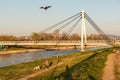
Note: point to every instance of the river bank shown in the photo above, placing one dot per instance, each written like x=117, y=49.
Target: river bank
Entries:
x=20, y=51
x=58, y=66
x=4, y=52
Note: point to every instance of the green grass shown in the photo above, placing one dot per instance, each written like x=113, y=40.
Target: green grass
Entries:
x=91, y=68
x=116, y=72
x=80, y=66
x=85, y=68
x=15, y=72
x=51, y=74
x=116, y=68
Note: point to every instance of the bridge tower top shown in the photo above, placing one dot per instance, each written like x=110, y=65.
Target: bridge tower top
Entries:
x=83, y=13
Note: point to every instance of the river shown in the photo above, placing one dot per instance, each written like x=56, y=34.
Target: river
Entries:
x=11, y=59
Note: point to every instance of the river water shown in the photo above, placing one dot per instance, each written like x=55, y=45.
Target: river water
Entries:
x=11, y=59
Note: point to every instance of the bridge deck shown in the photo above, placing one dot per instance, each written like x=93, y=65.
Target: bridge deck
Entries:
x=89, y=42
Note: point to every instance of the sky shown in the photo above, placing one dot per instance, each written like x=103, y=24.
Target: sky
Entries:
x=22, y=17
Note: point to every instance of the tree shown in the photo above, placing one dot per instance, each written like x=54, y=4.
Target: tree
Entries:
x=56, y=35
x=7, y=38
x=64, y=36
x=23, y=38
x=35, y=36
x=46, y=36
x=74, y=36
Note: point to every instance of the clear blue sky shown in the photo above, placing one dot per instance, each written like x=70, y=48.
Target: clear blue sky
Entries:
x=22, y=17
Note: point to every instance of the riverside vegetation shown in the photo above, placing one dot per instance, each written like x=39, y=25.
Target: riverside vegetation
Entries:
x=86, y=65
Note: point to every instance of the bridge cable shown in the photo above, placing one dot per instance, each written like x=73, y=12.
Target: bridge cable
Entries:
x=93, y=24
x=72, y=28
x=97, y=28
x=65, y=25
x=68, y=23
x=59, y=23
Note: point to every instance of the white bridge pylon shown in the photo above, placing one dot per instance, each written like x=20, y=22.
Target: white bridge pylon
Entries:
x=83, y=32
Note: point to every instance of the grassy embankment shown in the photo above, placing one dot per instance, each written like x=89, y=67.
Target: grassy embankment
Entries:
x=116, y=72
x=89, y=69
x=117, y=64
x=84, y=66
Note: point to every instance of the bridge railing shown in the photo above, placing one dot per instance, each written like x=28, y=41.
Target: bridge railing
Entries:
x=58, y=41
x=61, y=41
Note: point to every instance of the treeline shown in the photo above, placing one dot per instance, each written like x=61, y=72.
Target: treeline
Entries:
x=49, y=36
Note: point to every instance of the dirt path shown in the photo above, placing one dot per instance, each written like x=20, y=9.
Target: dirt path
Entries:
x=42, y=71
x=112, y=66
x=108, y=73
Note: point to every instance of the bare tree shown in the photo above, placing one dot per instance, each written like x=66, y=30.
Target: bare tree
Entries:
x=7, y=38
x=56, y=34
x=74, y=36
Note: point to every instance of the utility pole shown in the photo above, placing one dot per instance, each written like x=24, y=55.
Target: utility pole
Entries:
x=83, y=32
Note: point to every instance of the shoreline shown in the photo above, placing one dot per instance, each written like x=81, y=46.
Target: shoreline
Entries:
x=38, y=50
x=20, y=51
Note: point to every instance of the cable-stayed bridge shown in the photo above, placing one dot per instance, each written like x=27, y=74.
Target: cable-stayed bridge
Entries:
x=75, y=20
